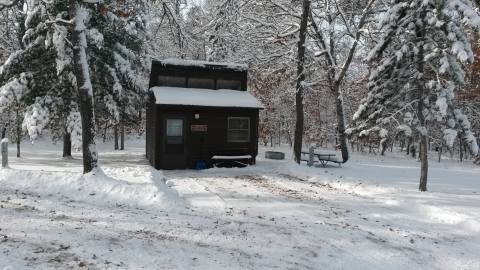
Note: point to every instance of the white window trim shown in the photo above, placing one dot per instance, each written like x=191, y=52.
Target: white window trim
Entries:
x=228, y=130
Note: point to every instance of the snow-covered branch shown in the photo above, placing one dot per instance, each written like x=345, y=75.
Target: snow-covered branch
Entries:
x=8, y=3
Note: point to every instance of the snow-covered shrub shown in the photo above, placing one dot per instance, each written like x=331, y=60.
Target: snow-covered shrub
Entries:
x=36, y=118
x=74, y=127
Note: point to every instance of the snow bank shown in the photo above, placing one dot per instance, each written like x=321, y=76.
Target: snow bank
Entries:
x=97, y=187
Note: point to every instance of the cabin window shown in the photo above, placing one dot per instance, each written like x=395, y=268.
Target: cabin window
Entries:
x=172, y=81
x=229, y=84
x=204, y=83
x=174, y=131
x=238, y=129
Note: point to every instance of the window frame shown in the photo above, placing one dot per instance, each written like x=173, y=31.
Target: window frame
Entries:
x=226, y=81
x=229, y=129
x=163, y=80
x=167, y=131
x=192, y=84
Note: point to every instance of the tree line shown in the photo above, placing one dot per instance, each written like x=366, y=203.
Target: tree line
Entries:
x=365, y=72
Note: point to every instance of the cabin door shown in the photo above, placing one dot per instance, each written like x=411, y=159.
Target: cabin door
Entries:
x=175, y=156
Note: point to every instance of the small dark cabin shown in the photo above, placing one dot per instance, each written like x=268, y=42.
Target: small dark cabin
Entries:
x=200, y=113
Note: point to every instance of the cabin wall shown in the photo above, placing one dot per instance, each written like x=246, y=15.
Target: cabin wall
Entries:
x=192, y=72
x=158, y=139
x=151, y=143
x=201, y=145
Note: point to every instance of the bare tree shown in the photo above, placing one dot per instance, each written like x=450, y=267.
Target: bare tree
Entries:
x=336, y=72
x=297, y=145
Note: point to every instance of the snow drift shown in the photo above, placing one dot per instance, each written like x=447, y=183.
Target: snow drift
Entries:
x=146, y=190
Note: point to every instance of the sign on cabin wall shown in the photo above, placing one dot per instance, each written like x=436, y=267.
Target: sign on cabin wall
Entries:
x=199, y=128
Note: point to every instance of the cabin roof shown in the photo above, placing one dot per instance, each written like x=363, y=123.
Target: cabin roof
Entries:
x=205, y=97
x=194, y=64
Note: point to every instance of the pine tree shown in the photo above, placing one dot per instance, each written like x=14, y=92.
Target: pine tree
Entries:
x=417, y=68
x=55, y=67
x=117, y=55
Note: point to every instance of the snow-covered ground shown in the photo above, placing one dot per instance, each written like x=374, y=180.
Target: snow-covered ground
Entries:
x=275, y=215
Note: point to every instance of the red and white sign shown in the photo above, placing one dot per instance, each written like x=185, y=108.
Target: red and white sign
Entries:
x=199, y=128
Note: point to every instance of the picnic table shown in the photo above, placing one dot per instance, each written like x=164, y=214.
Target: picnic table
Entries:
x=322, y=157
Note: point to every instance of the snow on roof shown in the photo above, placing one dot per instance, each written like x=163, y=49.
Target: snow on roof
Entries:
x=203, y=64
x=205, y=97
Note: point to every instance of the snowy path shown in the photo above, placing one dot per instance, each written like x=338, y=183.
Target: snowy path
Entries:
x=328, y=228
x=275, y=215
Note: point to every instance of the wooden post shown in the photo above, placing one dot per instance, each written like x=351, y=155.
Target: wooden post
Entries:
x=310, y=156
x=4, y=151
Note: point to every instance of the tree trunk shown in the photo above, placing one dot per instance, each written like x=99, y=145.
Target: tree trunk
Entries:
x=4, y=132
x=122, y=134
x=179, y=31
x=18, y=147
x=279, y=134
x=440, y=150
x=409, y=145
x=460, y=149
x=289, y=137
x=424, y=162
x=384, y=147
x=115, y=136
x=342, y=137
x=67, y=145
x=105, y=128
x=140, y=123
x=335, y=77
x=19, y=131
x=299, y=125
x=84, y=86
x=420, y=29
x=467, y=151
